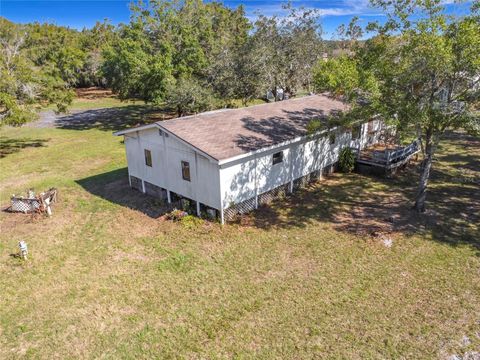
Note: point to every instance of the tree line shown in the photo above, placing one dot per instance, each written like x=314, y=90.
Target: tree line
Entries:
x=185, y=54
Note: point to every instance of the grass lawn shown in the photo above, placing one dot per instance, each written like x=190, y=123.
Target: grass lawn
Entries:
x=97, y=108
x=86, y=104
x=302, y=279
x=99, y=98
x=96, y=98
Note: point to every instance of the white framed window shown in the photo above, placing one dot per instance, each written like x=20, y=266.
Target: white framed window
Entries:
x=332, y=138
x=186, y=170
x=148, y=157
x=277, y=158
x=356, y=132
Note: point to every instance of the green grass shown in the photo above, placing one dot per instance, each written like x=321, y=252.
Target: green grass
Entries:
x=85, y=104
x=100, y=103
x=238, y=103
x=104, y=279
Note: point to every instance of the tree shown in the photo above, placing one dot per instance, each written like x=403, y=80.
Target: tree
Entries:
x=188, y=96
x=235, y=74
x=134, y=70
x=286, y=49
x=426, y=68
x=340, y=75
x=26, y=84
x=93, y=42
x=169, y=42
x=350, y=34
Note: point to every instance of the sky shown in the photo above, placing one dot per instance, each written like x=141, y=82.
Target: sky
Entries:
x=84, y=13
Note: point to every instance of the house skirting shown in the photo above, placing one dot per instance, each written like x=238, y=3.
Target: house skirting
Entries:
x=244, y=207
x=230, y=213
x=172, y=200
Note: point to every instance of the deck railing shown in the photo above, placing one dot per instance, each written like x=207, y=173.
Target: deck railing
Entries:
x=401, y=154
x=388, y=158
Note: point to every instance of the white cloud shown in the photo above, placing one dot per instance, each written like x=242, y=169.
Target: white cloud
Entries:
x=325, y=8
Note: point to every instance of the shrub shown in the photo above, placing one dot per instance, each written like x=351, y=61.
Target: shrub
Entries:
x=176, y=215
x=191, y=222
x=347, y=160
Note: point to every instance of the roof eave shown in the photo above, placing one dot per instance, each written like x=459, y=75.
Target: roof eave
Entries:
x=275, y=146
x=134, y=129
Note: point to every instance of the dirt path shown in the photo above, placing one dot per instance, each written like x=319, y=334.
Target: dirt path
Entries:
x=48, y=118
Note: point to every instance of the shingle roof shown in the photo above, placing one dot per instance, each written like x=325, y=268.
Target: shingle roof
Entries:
x=223, y=134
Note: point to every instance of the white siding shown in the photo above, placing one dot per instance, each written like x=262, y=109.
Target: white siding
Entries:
x=270, y=176
x=166, y=170
x=238, y=182
x=135, y=144
x=220, y=186
x=243, y=179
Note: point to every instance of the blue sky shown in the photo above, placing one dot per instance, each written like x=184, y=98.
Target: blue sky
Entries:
x=84, y=13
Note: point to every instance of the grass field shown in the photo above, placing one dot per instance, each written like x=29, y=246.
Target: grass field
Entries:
x=98, y=98
x=97, y=108
x=308, y=278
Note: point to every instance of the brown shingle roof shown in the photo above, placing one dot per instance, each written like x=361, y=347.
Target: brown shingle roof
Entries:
x=223, y=134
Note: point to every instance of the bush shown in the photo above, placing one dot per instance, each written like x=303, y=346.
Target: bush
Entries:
x=191, y=222
x=347, y=160
x=176, y=215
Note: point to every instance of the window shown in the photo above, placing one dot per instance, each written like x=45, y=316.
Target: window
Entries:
x=277, y=157
x=356, y=131
x=148, y=157
x=186, y=170
x=371, y=127
x=332, y=138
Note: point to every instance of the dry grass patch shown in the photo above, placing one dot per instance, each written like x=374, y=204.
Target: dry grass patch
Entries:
x=107, y=279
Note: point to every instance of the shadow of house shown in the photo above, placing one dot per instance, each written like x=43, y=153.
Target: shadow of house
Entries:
x=110, y=119
x=10, y=146
x=365, y=205
x=276, y=129
x=355, y=204
x=113, y=186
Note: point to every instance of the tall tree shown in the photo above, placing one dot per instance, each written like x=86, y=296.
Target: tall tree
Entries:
x=26, y=80
x=169, y=42
x=93, y=42
x=134, y=69
x=286, y=49
x=426, y=68
x=188, y=96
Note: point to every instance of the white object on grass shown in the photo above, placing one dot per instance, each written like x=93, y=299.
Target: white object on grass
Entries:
x=23, y=249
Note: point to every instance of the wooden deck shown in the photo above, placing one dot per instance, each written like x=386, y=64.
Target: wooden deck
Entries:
x=387, y=157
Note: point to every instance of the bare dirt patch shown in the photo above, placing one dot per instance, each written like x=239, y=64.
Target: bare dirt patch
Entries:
x=93, y=93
